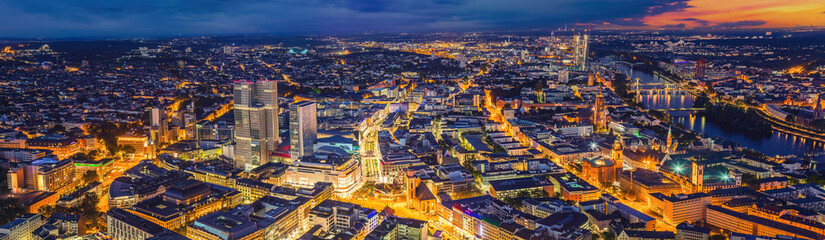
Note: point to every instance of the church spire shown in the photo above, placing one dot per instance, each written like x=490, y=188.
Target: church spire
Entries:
x=669, y=142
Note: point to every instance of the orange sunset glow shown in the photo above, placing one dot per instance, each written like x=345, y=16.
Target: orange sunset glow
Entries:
x=774, y=13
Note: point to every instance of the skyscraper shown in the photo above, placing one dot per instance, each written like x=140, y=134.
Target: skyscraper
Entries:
x=302, y=129
x=256, y=122
x=700, y=68
x=599, y=115
x=159, y=125
x=581, y=44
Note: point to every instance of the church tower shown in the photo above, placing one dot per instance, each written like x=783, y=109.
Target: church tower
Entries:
x=669, y=142
x=599, y=116
x=617, y=156
x=698, y=176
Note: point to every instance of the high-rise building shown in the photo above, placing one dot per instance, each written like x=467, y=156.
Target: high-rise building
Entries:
x=159, y=125
x=700, y=68
x=599, y=115
x=581, y=44
x=189, y=121
x=256, y=122
x=303, y=129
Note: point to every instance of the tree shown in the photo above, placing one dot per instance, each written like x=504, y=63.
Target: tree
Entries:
x=128, y=149
x=607, y=235
x=793, y=181
x=816, y=179
x=717, y=237
x=90, y=176
x=107, y=132
x=10, y=209
x=57, y=129
x=94, y=153
x=750, y=180
x=81, y=157
x=88, y=208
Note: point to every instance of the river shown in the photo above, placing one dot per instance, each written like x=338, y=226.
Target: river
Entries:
x=778, y=143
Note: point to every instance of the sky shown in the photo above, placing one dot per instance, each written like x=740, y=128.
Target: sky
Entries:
x=148, y=18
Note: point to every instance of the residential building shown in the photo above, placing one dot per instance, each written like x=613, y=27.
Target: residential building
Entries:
x=686, y=231
x=680, y=208
x=21, y=228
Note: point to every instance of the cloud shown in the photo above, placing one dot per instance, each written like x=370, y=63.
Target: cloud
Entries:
x=676, y=6
x=127, y=18
x=680, y=25
x=696, y=20
x=741, y=24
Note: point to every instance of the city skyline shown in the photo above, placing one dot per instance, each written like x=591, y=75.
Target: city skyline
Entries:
x=406, y=119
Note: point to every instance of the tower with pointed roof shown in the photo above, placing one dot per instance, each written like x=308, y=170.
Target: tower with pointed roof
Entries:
x=669, y=142
x=616, y=155
x=599, y=120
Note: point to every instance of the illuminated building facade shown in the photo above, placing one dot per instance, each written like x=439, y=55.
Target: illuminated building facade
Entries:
x=396, y=228
x=510, y=188
x=581, y=44
x=45, y=175
x=22, y=227
x=574, y=188
x=701, y=66
x=680, y=208
x=256, y=123
x=234, y=224
x=303, y=129
x=748, y=224
x=599, y=113
x=599, y=169
x=62, y=146
x=186, y=201
x=143, y=150
x=101, y=167
x=159, y=126
x=343, y=172
x=121, y=224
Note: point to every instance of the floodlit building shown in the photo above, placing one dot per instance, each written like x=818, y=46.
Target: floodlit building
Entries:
x=121, y=224
x=22, y=227
x=680, y=208
x=256, y=123
x=303, y=129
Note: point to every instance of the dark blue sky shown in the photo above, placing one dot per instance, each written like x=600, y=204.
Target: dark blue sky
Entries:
x=135, y=18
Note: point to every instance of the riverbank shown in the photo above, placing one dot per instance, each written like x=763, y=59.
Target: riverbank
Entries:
x=775, y=142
